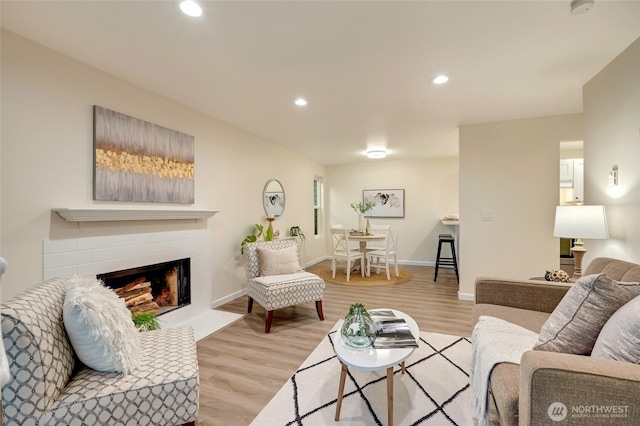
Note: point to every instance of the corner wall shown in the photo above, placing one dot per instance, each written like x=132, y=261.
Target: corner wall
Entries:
x=47, y=162
x=511, y=170
x=612, y=137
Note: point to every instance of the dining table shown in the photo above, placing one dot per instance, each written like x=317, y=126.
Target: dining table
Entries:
x=363, y=239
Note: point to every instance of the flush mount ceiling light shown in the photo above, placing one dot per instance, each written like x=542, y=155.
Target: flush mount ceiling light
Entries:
x=441, y=79
x=191, y=8
x=376, y=153
x=581, y=6
x=300, y=102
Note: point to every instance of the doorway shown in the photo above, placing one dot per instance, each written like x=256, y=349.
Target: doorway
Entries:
x=571, y=192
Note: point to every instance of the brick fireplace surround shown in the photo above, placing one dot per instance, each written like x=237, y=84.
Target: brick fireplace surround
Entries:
x=97, y=255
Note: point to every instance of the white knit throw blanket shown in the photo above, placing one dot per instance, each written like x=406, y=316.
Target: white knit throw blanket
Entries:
x=494, y=341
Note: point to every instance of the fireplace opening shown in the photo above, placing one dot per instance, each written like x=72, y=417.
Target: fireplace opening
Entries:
x=158, y=288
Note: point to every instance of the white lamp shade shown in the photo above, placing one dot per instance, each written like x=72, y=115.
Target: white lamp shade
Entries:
x=588, y=222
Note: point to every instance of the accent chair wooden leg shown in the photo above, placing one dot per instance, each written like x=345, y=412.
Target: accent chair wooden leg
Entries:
x=267, y=325
x=319, y=309
x=249, y=304
x=190, y=424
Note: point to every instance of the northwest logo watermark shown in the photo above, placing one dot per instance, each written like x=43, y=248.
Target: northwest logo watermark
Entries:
x=557, y=411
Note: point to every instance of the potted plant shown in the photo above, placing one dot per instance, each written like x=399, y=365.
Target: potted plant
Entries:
x=146, y=321
x=257, y=233
x=358, y=330
x=295, y=231
x=361, y=208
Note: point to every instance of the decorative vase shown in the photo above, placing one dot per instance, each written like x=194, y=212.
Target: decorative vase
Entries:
x=361, y=225
x=358, y=330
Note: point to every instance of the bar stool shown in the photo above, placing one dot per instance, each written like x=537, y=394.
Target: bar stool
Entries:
x=446, y=262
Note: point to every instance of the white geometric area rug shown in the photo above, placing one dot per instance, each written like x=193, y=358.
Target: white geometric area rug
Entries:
x=434, y=391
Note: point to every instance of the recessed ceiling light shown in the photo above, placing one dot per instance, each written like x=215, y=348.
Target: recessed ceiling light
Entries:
x=300, y=102
x=441, y=79
x=376, y=153
x=191, y=8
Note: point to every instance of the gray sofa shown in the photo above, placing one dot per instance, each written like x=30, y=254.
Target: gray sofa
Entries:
x=521, y=394
x=49, y=386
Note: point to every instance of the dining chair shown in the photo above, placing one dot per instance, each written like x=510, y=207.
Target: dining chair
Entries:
x=381, y=244
x=390, y=251
x=342, y=251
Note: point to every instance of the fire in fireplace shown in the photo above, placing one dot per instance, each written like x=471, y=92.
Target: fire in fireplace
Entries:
x=158, y=288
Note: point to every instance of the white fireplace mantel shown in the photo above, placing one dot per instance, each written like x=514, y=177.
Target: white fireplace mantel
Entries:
x=111, y=215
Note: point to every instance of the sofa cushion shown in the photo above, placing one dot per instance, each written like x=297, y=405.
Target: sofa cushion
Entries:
x=620, y=336
x=99, y=327
x=505, y=390
x=279, y=261
x=164, y=389
x=574, y=325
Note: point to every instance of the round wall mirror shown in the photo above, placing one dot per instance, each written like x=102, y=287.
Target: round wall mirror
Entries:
x=273, y=198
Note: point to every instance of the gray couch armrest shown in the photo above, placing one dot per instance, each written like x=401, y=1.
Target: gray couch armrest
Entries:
x=538, y=296
x=594, y=391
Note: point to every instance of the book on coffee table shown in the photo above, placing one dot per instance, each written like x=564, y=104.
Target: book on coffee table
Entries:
x=391, y=332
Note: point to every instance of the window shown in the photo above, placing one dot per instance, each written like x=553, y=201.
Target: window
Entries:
x=317, y=205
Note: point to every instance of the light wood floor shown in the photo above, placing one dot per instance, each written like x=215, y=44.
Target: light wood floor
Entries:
x=242, y=368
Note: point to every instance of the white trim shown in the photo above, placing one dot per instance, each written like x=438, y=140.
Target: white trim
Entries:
x=229, y=298
x=416, y=262
x=466, y=296
x=111, y=215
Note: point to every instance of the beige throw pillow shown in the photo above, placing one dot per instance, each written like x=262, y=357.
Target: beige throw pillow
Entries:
x=278, y=262
x=574, y=325
x=620, y=336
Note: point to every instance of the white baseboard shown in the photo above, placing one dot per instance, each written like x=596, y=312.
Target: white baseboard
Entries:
x=416, y=263
x=313, y=262
x=466, y=296
x=229, y=298
x=400, y=262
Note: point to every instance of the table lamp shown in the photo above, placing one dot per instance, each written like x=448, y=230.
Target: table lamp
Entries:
x=578, y=222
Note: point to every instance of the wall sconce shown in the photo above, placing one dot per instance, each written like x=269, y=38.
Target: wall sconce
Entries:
x=613, y=176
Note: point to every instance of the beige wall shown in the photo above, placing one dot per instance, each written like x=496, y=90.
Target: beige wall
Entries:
x=46, y=162
x=431, y=191
x=612, y=136
x=510, y=168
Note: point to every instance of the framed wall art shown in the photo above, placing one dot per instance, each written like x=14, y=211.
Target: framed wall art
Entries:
x=387, y=202
x=140, y=161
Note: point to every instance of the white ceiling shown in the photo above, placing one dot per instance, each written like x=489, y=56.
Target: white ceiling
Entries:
x=363, y=66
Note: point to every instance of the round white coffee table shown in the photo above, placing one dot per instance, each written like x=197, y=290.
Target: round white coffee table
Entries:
x=372, y=359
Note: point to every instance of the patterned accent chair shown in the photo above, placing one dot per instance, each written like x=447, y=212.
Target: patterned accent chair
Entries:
x=282, y=290
x=50, y=386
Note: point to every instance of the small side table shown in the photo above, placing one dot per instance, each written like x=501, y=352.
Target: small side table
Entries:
x=372, y=359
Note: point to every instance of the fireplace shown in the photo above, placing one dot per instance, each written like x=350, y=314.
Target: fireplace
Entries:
x=158, y=288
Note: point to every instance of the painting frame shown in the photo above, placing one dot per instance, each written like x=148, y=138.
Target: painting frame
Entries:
x=138, y=161
x=389, y=203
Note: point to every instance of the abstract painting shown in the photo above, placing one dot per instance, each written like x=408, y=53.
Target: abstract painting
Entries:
x=387, y=202
x=140, y=161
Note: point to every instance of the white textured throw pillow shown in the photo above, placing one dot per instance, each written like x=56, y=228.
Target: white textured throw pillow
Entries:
x=575, y=323
x=99, y=327
x=278, y=262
